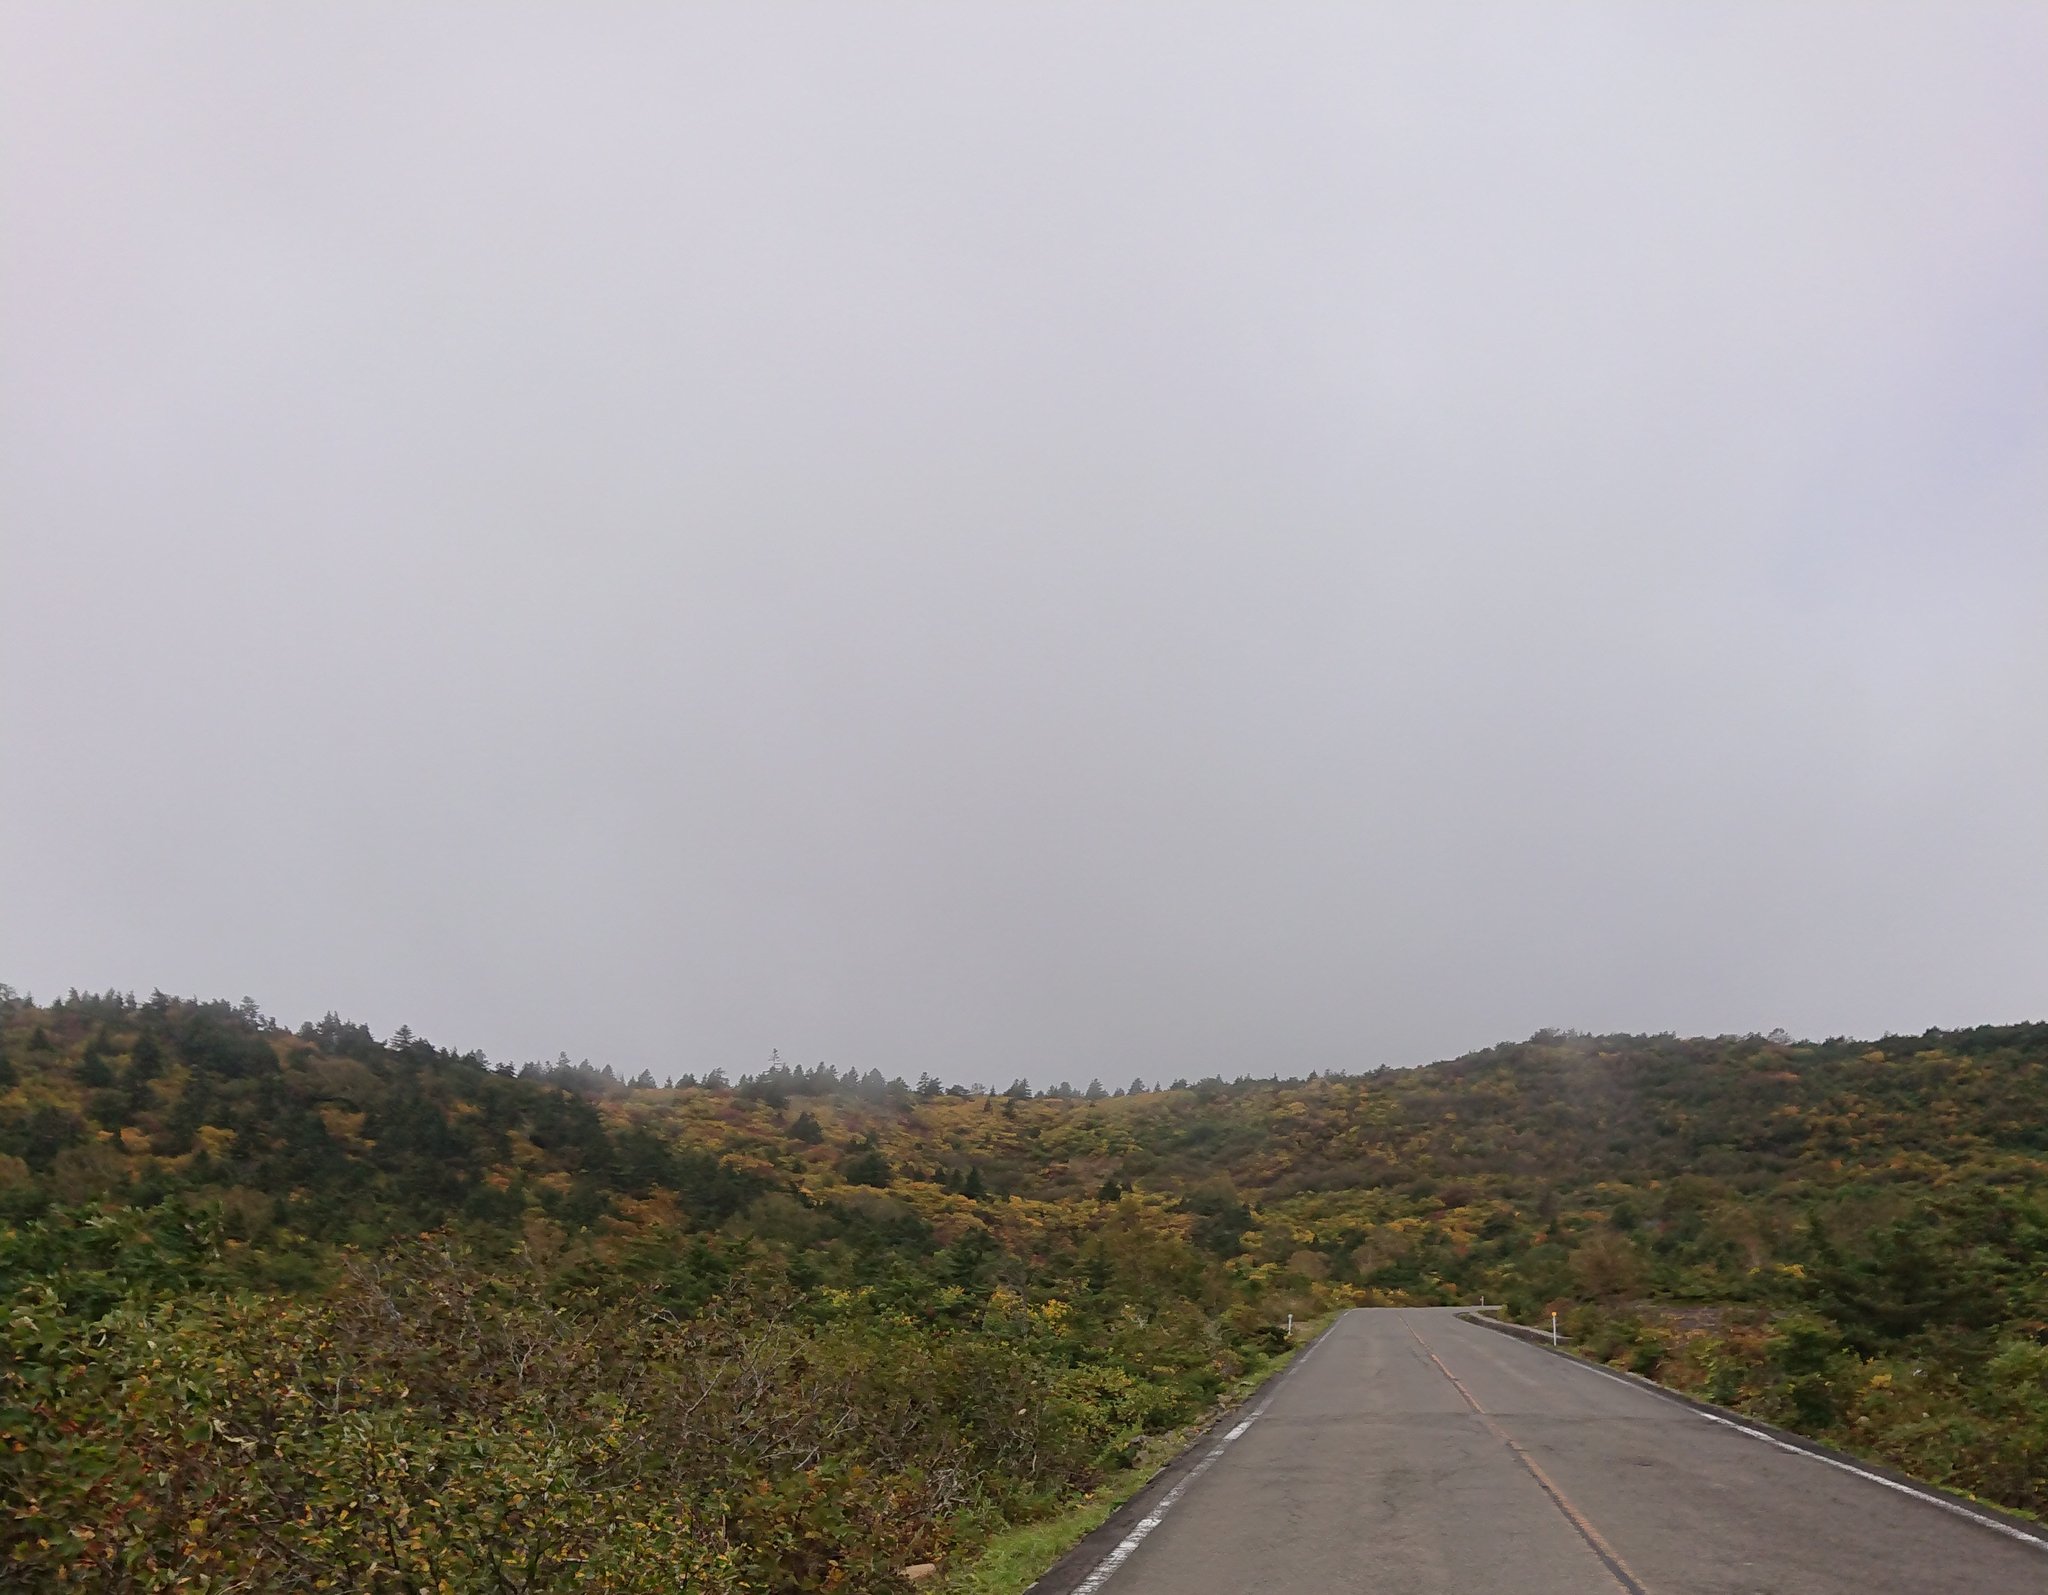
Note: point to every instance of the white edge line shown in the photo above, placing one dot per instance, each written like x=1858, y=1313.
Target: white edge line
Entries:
x=1836, y=1462
x=1878, y=1478
x=1099, y=1576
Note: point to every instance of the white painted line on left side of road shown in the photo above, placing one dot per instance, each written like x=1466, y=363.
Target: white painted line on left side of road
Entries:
x=1121, y=1552
x=1145, y=1525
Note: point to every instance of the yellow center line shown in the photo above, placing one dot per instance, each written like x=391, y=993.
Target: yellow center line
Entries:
x=1609, y=1557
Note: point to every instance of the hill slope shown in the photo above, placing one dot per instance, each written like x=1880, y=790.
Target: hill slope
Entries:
x=288, y=1306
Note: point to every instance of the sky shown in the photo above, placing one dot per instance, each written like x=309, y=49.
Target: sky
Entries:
x=1045, y=540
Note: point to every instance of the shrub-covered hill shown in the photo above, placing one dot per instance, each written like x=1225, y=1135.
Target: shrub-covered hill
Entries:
x=376, y=1313
x=325, y=1132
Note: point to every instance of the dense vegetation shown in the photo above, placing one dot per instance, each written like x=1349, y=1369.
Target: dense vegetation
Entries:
x=317, y=1311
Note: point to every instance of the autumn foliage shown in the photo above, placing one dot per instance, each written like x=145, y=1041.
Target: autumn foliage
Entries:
x=313, y=1310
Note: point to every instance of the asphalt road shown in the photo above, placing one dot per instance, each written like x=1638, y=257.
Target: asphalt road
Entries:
x=1412, y=1452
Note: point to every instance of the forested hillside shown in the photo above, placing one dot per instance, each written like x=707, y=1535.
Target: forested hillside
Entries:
x=309, y=1309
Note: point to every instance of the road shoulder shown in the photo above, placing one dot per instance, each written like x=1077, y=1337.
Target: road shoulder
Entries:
x=1998, y=1518
x=1073, y=1568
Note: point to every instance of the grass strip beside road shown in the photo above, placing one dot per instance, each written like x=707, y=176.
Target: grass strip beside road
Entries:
x=1018, y=1556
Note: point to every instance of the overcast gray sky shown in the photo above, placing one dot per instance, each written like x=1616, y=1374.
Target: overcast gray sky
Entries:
x=1040, y=539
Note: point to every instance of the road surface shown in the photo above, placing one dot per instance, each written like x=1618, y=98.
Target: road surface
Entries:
x=1412, y=1452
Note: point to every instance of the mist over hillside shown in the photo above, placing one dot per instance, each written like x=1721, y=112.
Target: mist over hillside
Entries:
x=280, y=1300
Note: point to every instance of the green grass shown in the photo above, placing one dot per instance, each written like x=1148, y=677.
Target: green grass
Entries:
x=1016, y=1556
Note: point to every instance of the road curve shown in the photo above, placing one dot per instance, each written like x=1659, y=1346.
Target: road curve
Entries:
x=1410, y=1451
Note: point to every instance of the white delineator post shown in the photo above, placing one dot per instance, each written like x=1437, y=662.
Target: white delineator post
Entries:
x=1553, y=1329
x=1290, y=1326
